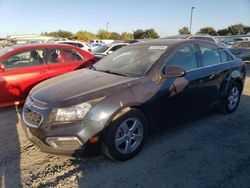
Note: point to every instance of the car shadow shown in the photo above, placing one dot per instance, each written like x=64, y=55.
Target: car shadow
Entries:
x=248, y=70
x=9, y=148
x=181, y=150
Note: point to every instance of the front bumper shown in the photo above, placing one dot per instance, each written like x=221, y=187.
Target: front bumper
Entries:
x=57, y=145
x=59, y=137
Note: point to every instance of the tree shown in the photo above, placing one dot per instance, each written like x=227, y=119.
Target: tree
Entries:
x=127, y=36
x=223, y=32
x=236, y=29
x=148, y=34
x=103, y=34
x=115, y=36
x=184, y=31
x=60, y=34
x=138, y=34
x=246, y=30
x=208, y=30
x=85, y=35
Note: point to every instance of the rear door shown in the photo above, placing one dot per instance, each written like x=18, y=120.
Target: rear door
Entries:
x=214, y=70
x=23, y=70
x=63, y=60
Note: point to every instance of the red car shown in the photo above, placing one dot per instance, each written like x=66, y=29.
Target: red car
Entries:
x=22, y=67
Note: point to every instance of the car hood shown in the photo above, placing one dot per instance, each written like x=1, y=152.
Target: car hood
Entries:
x=80, y=86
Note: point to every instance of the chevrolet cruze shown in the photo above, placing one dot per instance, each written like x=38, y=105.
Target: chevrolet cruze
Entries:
x=130, y=93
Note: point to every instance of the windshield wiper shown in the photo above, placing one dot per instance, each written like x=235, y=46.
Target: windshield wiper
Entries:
x=113, y=72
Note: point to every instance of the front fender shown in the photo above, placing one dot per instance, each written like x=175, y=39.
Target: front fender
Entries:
x=115, y=105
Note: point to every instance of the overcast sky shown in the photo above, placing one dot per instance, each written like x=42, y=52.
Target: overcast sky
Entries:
x=165, y=16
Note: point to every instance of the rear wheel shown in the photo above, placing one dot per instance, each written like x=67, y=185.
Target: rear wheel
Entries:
x=232, y=99
x=125, y=136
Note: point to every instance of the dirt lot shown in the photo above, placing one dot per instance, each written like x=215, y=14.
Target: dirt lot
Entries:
x=210, y=151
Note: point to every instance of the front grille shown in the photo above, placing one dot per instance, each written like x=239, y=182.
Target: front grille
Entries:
x=32, y=118
x=36, y=103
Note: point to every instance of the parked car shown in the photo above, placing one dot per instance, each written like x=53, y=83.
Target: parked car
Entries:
x=82, y=45
x=93, y=46
x=104, y=50
x=22, y=67
x=241, y=50
x=130, y=93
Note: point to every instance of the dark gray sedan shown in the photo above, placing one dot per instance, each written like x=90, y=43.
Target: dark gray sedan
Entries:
x=130, y=93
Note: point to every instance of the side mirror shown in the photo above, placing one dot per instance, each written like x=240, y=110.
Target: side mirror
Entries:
x=173, y=72
x=110, y=52
x=2, y=69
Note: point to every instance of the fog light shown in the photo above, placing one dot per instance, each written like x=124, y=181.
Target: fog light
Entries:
x=64, y=142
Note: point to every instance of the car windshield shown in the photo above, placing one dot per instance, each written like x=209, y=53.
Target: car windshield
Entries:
x=101, y=49
x=5, y=50
x=132, y=61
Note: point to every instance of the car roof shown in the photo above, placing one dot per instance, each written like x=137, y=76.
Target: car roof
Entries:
x=40, y=46
x=62, y=41
x=160, y=42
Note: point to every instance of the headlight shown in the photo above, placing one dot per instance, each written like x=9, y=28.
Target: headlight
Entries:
x=73, y=113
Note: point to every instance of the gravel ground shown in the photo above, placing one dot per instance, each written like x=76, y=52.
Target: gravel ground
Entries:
x=210, y=151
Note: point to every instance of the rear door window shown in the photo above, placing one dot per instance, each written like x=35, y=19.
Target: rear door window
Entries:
x=184, y=57
x=209, y=55
x=63, y=56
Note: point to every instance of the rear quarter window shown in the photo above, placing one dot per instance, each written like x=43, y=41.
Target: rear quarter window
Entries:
x=225, y=56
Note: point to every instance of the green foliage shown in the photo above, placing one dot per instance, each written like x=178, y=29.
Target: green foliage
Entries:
x=115, y=36
x=184, y=31
x=223, y=32
x=236, y=29
x=59, y=34
x=127, y=36
x=103, y=34
x=139, y=34
x=85, y=35
x=150, y=34
x=145, y=34
x=208, y=30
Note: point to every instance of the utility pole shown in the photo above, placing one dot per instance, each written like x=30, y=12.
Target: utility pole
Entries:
x=190, y=26
x=107, y=26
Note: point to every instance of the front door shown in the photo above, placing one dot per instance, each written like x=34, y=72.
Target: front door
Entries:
x=181, y=97
x=23, y=71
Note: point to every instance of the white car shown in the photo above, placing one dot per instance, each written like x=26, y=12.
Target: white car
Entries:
x=93, y=46
x=108, y=49
x=81, y=45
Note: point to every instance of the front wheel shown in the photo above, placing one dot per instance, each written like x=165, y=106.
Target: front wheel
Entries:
x=232, y=99
x=125, y=136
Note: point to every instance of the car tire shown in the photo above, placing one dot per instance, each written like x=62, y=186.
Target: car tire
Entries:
x=231, y=99
x=125, y=136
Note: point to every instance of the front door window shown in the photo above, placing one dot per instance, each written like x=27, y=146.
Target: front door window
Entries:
x=25, y=59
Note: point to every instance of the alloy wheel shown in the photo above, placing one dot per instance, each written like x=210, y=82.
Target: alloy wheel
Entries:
x=129, y=135
x=233, y=98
